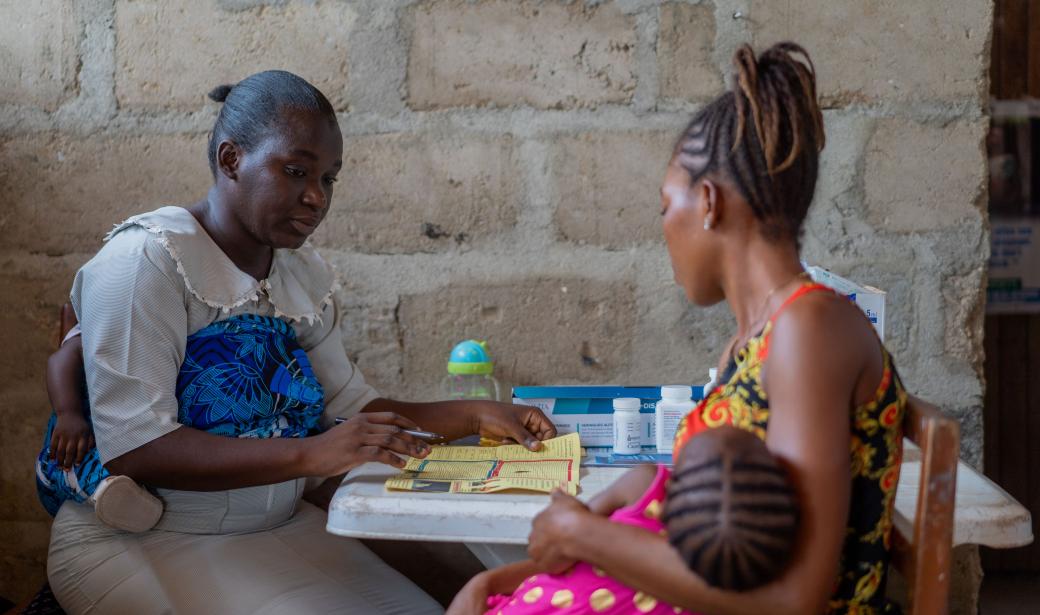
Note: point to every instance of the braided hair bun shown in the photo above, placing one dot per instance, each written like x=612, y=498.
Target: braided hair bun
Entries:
x=730, y=511
x=764, y=136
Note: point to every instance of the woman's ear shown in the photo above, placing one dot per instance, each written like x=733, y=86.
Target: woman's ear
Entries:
x=229, y=155
x=710, y=202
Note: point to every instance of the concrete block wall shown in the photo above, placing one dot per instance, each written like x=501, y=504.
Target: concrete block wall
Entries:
x=502, y=166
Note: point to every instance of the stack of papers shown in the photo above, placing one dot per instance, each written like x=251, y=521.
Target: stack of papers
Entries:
x=482, y=469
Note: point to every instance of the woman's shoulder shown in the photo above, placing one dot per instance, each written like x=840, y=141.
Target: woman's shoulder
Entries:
x=824, y=322
x=132, y=262
x=164, y=220
x=146, y=233
x=828, y=331
x=131, y=246
x=818, y=310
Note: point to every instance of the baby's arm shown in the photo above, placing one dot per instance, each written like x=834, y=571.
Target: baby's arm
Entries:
x=624, y=491
x=71, y=438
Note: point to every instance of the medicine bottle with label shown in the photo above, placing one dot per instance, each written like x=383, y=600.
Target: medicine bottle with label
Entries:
x=675, y=403
x=626, y=425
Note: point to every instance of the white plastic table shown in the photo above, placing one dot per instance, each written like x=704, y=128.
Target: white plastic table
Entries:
x=493, y=526
x=984, y=513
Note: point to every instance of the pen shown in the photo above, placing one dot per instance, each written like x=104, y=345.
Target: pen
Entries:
x=428, y=436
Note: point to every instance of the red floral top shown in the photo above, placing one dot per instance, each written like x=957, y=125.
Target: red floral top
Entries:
x=876, y=447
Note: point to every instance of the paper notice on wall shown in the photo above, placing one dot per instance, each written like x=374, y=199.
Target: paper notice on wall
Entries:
x=483, y=469
x=1014, y=266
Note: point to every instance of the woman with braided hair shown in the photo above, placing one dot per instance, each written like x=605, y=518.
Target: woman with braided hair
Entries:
x=805, y=372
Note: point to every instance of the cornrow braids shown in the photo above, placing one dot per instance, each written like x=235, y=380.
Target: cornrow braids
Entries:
x=730, y=511
x=773, y=162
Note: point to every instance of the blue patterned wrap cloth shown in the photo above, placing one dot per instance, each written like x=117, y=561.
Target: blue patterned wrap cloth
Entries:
x=244, y=377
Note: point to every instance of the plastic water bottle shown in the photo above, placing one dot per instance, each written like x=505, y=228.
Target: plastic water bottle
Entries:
x=469, y=373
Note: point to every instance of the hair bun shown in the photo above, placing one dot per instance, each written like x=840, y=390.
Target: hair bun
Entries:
x=220, y=93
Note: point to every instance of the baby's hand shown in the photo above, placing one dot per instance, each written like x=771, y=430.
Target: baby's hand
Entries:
x=70, y=440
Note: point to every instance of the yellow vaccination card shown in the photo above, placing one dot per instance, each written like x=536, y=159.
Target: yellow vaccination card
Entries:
x=486, y=469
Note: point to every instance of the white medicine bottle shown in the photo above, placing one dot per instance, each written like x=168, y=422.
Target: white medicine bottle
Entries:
x=627, y=426
x=713, y=376
x=675, y=403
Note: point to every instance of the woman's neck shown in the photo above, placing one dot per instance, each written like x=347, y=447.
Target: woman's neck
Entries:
x=231, y=236
x=753, y=279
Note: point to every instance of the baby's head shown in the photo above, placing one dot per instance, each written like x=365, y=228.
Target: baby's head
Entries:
x=730, y=511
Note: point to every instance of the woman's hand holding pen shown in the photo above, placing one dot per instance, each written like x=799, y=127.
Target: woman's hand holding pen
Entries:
x=370, y=436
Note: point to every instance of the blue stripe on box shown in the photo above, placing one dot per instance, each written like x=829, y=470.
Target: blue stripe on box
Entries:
x=587, y=392
x=595, y=399
x=597, y=406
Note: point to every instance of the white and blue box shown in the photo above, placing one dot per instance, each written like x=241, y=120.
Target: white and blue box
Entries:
x=869, y=299
x=589, y=410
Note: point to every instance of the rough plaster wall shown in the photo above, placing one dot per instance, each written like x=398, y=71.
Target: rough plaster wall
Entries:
x=503, y=159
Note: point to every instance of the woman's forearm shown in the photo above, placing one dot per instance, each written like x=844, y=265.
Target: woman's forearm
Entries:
x=648, y=563
x=194, y=460
x=453, y=419
x=190, y=459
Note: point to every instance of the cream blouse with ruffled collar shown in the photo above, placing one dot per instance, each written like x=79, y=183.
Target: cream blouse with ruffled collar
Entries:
x=158, y=279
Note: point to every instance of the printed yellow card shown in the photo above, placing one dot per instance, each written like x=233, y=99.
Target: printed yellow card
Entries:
x=483, y=469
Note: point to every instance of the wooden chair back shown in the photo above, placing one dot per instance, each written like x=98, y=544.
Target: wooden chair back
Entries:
x=924, y=558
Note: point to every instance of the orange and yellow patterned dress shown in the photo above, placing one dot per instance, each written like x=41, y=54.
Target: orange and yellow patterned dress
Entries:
x=876, y=446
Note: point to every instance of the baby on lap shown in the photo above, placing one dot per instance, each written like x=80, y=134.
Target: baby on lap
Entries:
x=727, y=508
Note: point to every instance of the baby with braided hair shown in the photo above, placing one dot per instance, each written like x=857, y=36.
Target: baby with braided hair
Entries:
x=730, y=510
x=727, y=508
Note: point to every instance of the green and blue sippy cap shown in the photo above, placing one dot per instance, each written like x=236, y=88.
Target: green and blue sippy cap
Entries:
x=470, y=357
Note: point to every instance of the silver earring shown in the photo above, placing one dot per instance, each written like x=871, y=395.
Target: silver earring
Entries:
x=707, y=223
